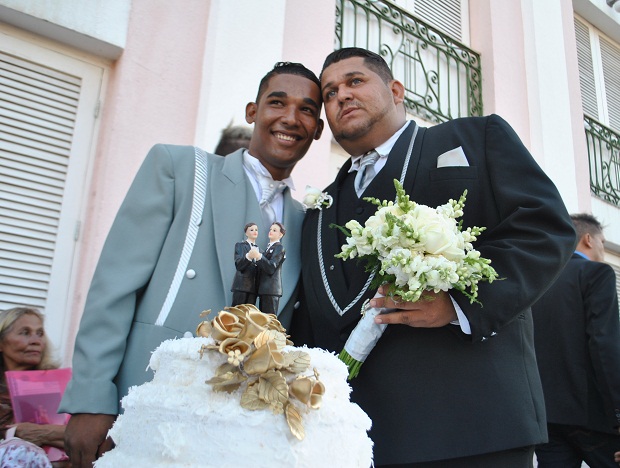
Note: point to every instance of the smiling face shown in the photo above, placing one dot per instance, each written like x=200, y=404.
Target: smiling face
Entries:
x=286, y=120
x=363, y=111
x=23, y=345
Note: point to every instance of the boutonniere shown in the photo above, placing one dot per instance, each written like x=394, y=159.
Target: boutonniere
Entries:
x=315, y=199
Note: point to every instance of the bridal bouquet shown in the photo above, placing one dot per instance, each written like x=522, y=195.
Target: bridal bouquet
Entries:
x=412, y=248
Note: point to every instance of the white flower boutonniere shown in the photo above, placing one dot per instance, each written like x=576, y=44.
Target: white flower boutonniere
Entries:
x=315, y=199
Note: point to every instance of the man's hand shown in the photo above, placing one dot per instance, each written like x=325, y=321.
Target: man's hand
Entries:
x=433, y=310
x=86, y=438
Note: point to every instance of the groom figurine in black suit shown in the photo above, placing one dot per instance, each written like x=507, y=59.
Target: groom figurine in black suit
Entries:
x=450, y=383
x=269, y=266
x=244, y=287
x=577, y=336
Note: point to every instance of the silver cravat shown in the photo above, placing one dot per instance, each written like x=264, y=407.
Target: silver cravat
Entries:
x=366, y=172
x=269, y=188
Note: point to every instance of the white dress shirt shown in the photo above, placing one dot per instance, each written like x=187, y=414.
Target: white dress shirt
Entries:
x=278, y=201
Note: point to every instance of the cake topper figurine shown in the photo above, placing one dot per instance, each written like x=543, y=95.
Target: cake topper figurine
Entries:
x=244, y=287
x=269, y=266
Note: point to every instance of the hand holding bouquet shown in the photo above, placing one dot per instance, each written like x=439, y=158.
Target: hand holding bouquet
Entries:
x=413, y=248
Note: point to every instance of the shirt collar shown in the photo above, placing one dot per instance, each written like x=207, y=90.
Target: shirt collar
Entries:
x=581, y=254
x=383, y=149
x=262, y=170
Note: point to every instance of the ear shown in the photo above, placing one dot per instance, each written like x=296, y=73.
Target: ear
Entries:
x=398, y=91
x=587, y=240
x=250, y=112
x=319, y=129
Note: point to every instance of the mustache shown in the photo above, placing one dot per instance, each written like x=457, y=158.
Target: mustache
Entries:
x=349, y=105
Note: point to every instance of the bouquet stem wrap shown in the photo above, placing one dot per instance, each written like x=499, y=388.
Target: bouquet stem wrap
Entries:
x=362, y=340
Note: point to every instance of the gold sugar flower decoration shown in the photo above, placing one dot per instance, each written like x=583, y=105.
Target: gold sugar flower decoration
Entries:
x=253, y=344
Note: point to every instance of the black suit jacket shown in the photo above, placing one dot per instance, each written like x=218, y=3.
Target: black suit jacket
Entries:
x=577, y=335
x=245, y=274
x=270, y=271
x=437, y=393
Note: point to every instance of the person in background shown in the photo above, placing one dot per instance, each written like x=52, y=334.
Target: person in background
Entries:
x=233, y=137
x=244, y=287
x=577, y=338
x=167, y=255
x=24, y=346
x=269, y=265
x=450, y=383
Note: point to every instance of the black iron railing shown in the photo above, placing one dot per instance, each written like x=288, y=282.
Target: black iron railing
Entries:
x=604, y=157
x=442, y=77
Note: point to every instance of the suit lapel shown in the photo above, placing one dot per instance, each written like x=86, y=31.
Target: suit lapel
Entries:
x=229, y=188
x=381, y=187
x=292, y=218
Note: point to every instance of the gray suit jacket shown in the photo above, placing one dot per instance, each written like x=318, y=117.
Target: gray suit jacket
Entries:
x=166, y=259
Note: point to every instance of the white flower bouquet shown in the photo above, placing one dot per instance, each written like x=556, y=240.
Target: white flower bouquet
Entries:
x=412, y=248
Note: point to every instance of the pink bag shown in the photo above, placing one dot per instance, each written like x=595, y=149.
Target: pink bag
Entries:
x=35, y=397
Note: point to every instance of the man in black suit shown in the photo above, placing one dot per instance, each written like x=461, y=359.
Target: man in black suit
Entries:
x=270, y=272
x=448, y=380
x=577, y=337
x=244, y=287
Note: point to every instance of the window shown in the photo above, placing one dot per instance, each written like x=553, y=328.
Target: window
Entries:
x=442, y=77
x=599, y=72
x=47, y=126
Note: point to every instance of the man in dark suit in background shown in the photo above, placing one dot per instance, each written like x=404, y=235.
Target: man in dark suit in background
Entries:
x=244, y=283
x=577, y=337
x=270, y=270
x=450, y=383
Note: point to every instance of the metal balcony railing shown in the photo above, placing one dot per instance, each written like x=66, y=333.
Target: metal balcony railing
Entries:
x=604, y=157
x=442, y=77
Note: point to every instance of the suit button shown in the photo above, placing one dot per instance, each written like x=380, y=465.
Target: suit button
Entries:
x=190, y=274
x=344, y=336
x=296, y=306
x=359, y=210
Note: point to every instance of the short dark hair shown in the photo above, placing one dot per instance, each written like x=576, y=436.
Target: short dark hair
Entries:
x=585, y=223
x=233, y=137
x=373, y=61
x=286, y=68
x=249, y=225
x=282, y=230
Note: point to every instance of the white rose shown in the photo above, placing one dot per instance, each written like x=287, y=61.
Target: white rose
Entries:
x=440, y=237
x=312, y=196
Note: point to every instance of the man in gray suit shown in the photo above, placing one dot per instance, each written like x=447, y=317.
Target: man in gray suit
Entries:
x=167, y=256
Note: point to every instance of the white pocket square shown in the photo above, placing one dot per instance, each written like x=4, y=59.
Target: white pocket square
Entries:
x=454, y=157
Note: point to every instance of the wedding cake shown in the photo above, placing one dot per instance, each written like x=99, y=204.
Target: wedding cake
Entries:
x=216, y=402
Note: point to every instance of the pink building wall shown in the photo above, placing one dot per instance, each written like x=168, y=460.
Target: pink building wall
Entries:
x=152, y=97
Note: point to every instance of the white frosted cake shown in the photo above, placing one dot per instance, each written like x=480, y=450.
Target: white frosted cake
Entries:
x=180, y=419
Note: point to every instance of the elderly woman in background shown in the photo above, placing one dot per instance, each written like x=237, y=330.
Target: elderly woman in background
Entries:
x=24, y=346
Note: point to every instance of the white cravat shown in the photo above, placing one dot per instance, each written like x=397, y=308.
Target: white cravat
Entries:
x=270, y=189
x=366, y=171
x=268, y=192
